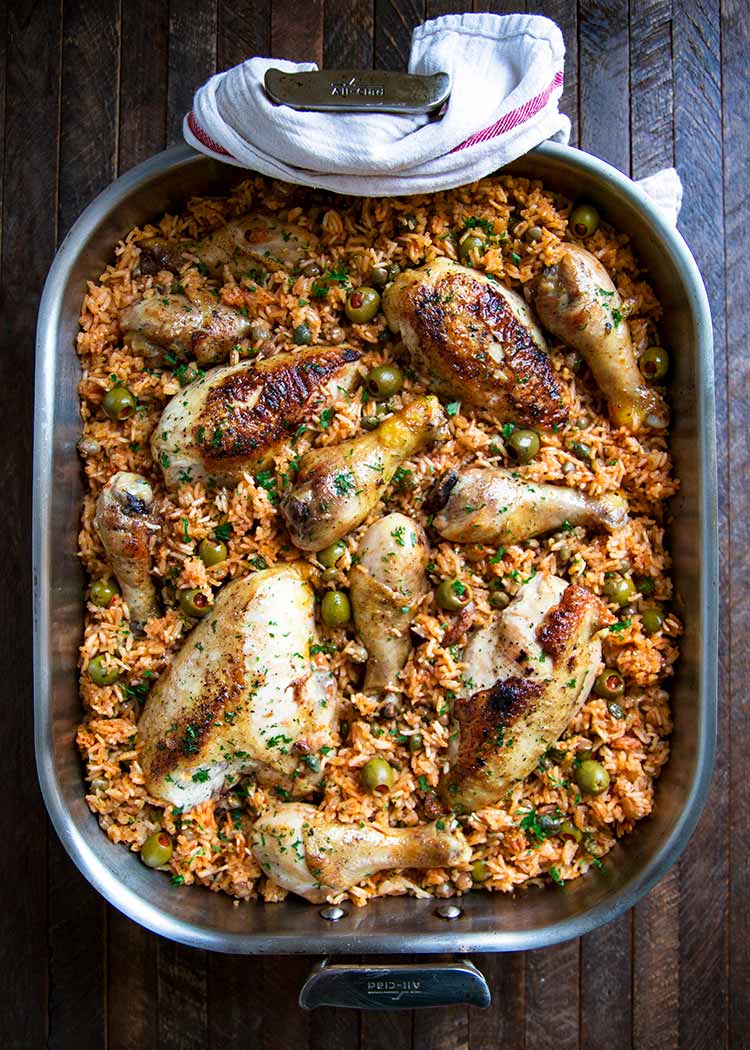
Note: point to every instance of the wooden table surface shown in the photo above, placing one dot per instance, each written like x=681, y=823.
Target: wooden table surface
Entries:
x=88, y=88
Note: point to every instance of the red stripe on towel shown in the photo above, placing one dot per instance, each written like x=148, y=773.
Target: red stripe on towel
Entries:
x=515, y=117
x=201, y=135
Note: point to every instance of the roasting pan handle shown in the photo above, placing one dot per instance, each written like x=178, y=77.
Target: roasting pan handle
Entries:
x=398, y=986
x=356, y=90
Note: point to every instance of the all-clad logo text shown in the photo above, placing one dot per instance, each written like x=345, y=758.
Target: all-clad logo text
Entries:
x=397, y=986
x=347, y=88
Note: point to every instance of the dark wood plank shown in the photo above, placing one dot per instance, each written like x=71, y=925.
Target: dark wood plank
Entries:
x=604, y=118
x=502, y=1025
x=735, y=46
x=387, y=1031
x=656, y=967
x=606, y=976
x=565, y=14
x=444, y=1029
x=295, y=38
x=348, y=34
x=131, y=1000
x=181, y=987
x=144, y=59
x=651, y=98
x=552, y=998
x=704, y=868
x=335, y=1029
x=244, y=31
x=192, y=57
x=234, y=1015
x=394, y=22
x=285, y=1026
x=32, y=77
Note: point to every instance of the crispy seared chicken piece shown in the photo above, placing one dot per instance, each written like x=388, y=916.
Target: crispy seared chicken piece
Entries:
x=337, y=486
x=476, y=340
x=309, y=854
x=203, y=328
x=125, y=522
x=236, y=417
x=242, y=696
x=386, y=585
x=530, y=670
x=577, y=301
x=491, y=505
x=244, y=244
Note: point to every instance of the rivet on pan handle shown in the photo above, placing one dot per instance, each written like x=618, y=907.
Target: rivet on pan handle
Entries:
x=395, y=987
x=346, y=90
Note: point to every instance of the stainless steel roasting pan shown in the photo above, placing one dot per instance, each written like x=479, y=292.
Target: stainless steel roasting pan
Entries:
x=487, y=922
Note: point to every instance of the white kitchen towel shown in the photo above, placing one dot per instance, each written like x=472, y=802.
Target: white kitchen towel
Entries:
x=506, y=80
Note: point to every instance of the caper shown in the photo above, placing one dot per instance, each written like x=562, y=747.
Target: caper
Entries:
x=615, y=710
x=384, y=381
x=362, y=304
x=452, y=595
x=193, y=602
x=568, y=828
x=556, y=754
x=499, y=600
x=331, y=554
x=302, y=335
x=548, y=823
x=524, y=444
x=335, y=609
x=619, y=589
x=479, y=871
x=592, y=777
x=393, y=271
x=379, y=276
x=654, y=363
x=212, y=552
x=415, y=742
x=119, y=403
x=329, y=575
x=103, y=591
x=645, y=585
x=534, y=234
x=156, y=850
x=102, y=671
x=377, y=776
x=312, y=762
x=344, y=729
x=582, y=451
x=311, y=269
x=609, y=684
x=584, y=220
x=336, y=334
x=652, y=620
x=370, y=422
x=471, y=247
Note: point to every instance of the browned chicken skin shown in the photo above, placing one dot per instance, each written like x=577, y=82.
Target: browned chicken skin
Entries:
x=530, y=670
x=235, y=419
x=202, y=328
x=245, y=244
x=577, y=301
x=473, y=339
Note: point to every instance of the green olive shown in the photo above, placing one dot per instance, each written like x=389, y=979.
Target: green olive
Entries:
x=379, y=276
x=329, y=575
x=592, y=777
x=102, y=671
x=534, y=234
x=452, y=595
x=584, y=220
x=335, y=609
x=415, y=742
x=569, y=828
x=615, y=710
x=652, y=620
x=330, y=555
x=156, y=850
x=619, y=589
x=212, y=552
x=119, y=403
x=103, y=591
x=302, y=335
x=471, y=247
x=362, y=304
x=193, y=602
x=384, y=381
x=645, y=585
x=524, y=444
x=377, y=775
x=479, y=871
x=609, y=684
x=499, y=600
x=654, y=363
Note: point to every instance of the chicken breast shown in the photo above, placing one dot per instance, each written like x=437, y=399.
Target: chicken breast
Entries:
x=202, y=328
x=245, y=244
x=530, y=670
x=577, y=301
x=474, y=339
x=235, y=418
x=242, y=696
x=493, y=505
x=126, y=523
x=307, y=853
x=338, y=486
x=386, y=585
